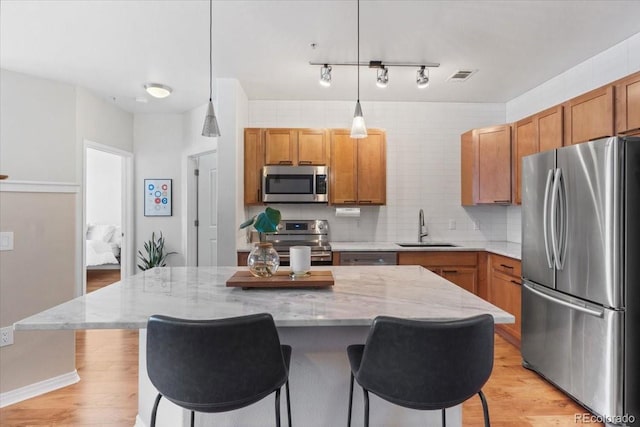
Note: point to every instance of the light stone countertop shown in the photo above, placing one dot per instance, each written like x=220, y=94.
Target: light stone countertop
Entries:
x=359, y=295
x=508, y=249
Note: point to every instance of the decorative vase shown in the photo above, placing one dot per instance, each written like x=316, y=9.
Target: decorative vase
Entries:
x=263, y=260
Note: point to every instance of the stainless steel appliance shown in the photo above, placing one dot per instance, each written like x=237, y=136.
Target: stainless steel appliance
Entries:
x=313, y=233
x=295, y=184
x=581, y=273
x=368, y=258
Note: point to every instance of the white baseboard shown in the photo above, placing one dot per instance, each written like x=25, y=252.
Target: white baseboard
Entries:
x=139, y=422
x=33, y=390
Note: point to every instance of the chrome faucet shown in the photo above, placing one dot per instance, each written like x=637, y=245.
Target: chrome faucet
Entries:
x=422, y=232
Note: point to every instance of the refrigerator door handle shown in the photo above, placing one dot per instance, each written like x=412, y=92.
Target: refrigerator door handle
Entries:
x=545, y=218
x=564, y=225
x=554, y=215
x=576, y=307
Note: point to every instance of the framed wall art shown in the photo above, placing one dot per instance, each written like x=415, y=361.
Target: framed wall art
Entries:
x=157, y=197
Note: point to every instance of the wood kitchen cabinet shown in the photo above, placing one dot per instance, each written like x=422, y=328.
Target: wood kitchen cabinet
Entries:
x=627, y=99
x=460, y=268
x=540, y=132
x=589, y=116
x=486, y=166
x=296, y=147
x=505, y=291
x=358, y=171
x=253, y=163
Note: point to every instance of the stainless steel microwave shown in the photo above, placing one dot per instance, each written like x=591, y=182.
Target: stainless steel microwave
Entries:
x=295, y=184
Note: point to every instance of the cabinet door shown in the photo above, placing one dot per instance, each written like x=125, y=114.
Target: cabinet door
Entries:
x=312, y=147
x=628, y=105
x=465, y=277
x=372, y=169
x=493, y=148
x=281, y=147
x=342, y=177
x=589, y=116
x=524, y=144
x=468, y=181
x=505, y=292
x=549, y=128
x=253, y=162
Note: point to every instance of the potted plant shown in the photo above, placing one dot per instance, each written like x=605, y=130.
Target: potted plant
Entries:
x=263, y=260
x=155, y=255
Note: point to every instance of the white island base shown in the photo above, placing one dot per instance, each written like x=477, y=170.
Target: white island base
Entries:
x=319, y=384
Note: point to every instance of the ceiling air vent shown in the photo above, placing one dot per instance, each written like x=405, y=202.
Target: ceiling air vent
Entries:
x=461, y=75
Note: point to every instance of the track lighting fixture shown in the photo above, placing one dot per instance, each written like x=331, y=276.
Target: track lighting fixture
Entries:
x=325, y=75
x=382, y=79
x=422, y=79
x=382, y=70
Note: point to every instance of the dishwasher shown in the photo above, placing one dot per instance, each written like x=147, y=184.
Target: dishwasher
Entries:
x=368, y=258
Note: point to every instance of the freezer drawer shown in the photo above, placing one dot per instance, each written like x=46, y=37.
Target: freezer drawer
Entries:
x=576, y=346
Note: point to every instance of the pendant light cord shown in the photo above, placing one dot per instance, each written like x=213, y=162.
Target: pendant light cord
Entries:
x=358, y=50
x=210, y=48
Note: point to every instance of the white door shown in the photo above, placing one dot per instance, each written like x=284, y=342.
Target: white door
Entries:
x=208, y=210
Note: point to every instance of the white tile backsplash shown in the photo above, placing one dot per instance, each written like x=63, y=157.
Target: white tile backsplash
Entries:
x=423, y=167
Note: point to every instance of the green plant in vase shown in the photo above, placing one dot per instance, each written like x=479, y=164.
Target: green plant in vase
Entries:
x=263, y=260
x=155, y=255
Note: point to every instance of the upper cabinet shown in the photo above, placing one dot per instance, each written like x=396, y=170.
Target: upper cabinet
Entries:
x=486, y=166
x=589, y=116
x=628, y=105
x=296, y=147
x=358, y=171
x=253, y=162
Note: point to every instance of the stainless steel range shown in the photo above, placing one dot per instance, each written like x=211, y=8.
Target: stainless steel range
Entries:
x=313, y=233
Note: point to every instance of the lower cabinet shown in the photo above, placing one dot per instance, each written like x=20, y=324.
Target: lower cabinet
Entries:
x=460, y=268
x=505, y=291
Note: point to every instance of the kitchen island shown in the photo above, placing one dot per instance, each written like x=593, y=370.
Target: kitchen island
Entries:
x=317, y=323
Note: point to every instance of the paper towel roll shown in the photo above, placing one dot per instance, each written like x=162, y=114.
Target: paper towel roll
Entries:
x=300, y=259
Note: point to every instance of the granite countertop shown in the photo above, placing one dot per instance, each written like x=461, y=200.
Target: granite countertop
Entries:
x=509, y=249
x=359, y=295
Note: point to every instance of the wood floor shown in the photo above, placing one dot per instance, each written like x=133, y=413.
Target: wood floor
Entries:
x=107, y=362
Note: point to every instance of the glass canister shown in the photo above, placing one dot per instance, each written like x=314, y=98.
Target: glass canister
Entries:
x=263, y=260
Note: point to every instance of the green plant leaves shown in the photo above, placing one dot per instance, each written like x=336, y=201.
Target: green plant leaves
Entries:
x=155, y=255
x=264, y=222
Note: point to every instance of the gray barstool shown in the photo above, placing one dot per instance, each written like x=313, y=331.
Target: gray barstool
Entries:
x=424, y=365
x=217, y=365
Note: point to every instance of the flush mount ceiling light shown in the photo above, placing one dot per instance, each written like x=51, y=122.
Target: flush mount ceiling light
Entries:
x=422, y=79
x=325, y=75
x=358, y=128
x=210, y=127
x=158, y=90
x=382, y=78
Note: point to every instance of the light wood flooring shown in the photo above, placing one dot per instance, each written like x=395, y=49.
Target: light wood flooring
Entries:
x=107, y=362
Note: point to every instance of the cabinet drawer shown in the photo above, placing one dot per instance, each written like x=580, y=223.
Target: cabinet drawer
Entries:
x=506, y=265
x=506, y=293
x=438, y=258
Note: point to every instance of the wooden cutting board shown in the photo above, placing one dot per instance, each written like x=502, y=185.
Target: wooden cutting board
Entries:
x=315, y=279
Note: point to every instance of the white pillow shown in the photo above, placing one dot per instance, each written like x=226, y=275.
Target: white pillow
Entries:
x=116, y=238
x=101, y=232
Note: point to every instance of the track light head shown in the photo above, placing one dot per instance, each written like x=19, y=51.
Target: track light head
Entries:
x=422, y=78
x=382, y=79
x=325, y=75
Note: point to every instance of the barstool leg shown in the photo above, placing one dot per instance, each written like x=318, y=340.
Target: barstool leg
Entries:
x=288, y=403
x=193, y=419
x=155, y=410
x=278, y=408
x=366, y=407
x=485, y=409
x=350, y=401
x=444, y=418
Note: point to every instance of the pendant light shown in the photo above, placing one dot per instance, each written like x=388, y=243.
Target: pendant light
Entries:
x=210, y=127
x=358, y=128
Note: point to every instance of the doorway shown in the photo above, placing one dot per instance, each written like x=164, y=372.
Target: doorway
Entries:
x=107, y=215
x=207, y=209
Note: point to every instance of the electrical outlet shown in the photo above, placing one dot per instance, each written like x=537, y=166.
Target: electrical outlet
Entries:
x=452, y=224
x=6, y=336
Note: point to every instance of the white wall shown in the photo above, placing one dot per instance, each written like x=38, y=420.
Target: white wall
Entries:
x=618, y=61
x=104, y=188
x=423, y=167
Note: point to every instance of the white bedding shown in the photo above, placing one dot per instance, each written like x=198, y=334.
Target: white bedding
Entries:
x=100, y=253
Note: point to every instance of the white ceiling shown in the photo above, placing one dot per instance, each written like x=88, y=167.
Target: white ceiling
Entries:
x=114, y=47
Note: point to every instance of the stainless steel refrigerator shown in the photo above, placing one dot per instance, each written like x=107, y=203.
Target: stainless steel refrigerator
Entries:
x=581, y=273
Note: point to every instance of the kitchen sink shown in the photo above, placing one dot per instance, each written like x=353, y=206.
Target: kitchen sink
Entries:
x=427, y=245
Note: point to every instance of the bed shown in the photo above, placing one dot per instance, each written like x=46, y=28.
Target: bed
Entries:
x=103, y=245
